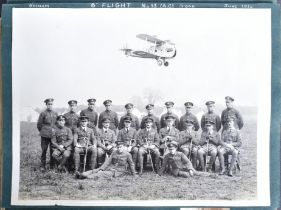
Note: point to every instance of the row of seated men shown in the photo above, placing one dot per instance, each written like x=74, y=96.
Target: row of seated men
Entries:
x=98, y=143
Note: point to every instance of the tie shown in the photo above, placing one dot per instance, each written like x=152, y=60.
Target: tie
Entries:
x=127, y=130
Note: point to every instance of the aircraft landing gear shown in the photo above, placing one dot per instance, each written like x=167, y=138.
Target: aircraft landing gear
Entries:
x=160, y=62
x=166, y=63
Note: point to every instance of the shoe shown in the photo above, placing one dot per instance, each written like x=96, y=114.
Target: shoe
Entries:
x=82, y=176
x=230, y=173
x=42, y=169
x=76, y=174
x=222, y=172
x=191, y=173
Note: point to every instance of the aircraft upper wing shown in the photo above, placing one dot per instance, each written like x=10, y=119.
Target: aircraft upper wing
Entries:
x=150, y=39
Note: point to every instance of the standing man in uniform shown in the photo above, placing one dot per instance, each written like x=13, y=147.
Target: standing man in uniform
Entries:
x=62, y=143
x=180, y=164
x=211, y=115
x=71, y=118
x=91, y=113
x=230, y=111
x=135, y=121
x=84, y=140
x=231, y=141
x=112, y=116
x=148, y=140
x=168, y=134
x=115, y=166
x=46, y=125
x=128, y=135
x=156, y=122
x=188, y=116
x=210, y=140
x=189, y=142
x=106, y=142
x=169, y=106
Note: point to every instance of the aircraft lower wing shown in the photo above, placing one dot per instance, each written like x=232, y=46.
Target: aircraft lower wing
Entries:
x=143, y=54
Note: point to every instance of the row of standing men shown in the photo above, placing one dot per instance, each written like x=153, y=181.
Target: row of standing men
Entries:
x=108, y=121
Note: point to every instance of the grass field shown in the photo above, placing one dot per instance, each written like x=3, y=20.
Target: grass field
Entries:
x=53, y=186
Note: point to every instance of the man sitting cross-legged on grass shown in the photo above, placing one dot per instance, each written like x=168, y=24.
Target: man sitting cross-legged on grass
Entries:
x=61, y=143
x=231, y=141
x=114, y=166
x=179, y=163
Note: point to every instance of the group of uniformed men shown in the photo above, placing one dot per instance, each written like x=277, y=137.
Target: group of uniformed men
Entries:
x=112, y=146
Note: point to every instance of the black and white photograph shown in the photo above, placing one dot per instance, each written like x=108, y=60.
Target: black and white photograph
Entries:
x=141, y=106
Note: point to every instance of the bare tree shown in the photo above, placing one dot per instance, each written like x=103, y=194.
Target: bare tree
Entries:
x=152, y=95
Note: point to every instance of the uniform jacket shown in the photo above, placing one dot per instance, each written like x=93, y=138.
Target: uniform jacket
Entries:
x=151, y=136
x=72, y=120
x=186, y=137
x=118, y=161
x=62, y=136
x=232, y=112
x=106, y=137
x=163, y=123
x=214, y=117
x=127, y=136
x=134, y=124
x=92, y=115
x=113, y=119
x=213, y=138
x=182, y=125
x=176, y=161
x=80, y=136
x=156, y=122
x=231, y=136
x=173, y=134
x=46, y=123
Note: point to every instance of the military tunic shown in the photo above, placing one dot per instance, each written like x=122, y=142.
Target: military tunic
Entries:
x=167, y=134
x=72, y=120
x=156, y=122
x=234, y=113
x=62, y=136
x=163, y=122
x=114, y=166
x=213, y=138
x=213, y=117
x=232, y=137
x=184, y=118
x=134, y=124
x=178, y=162
x=186, y=137
x=127, y=135
x=92, y=115
x=106, y=137
x=113, y=119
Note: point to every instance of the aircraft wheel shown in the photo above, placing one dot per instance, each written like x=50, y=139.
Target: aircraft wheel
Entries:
x=160, y=62
x=166, y=63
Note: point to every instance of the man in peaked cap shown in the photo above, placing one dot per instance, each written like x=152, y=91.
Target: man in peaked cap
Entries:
x=230, y=111
x=189, y=142
x=71, y=117
x=168, y=133
x=156, y=123
x=135, y=121
x=231, y=142
x=46, y=125
x=106, y=142
x=169, y=105
x=210, y=140
x=188, y=116
x=148, y=141
x=128, y=135
x=211, y=115
x=84, y=139
x=91, y=113
x=179, y=163
x=108, y=113
x=115, y=166
x=62, y=143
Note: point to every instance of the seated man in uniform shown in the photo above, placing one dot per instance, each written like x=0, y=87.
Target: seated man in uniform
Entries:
x=231, y=141
x=106, y=140
x=168, y=133
x=84, y=139
x=148, y=140
x=179, y=163
x=61, y=143
x=210, y=140
x=114, y=166
x=189, y=142
x=128, y=135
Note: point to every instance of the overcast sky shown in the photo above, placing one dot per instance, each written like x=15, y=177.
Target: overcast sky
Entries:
x=74, y=54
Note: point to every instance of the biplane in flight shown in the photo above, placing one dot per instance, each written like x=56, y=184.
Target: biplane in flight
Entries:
x=157, y=49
